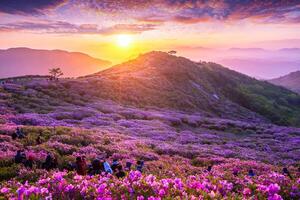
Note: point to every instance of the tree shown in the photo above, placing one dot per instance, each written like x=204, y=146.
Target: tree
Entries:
x=55, y=73
x=172, y=52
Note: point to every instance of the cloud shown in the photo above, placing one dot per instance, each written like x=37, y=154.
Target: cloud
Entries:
x=181, y=11
x=128, y=28
x=190, y=20
x=28, y=7
x=196, y=11
x=69, y=28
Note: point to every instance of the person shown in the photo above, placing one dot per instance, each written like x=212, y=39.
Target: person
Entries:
x=209, y=168
x=96, y=167
x=120, y=173
x=29, y=162
x=139, y=165
x=285, y=171
x=128, y=166
x=39, y=139
x=20, y=133
x=107, y=167
x=20, y=157
x=115, y=164
x=81, y=166
x=54, y=163
x=251, y=173
x=14, y=136
x=48, y=162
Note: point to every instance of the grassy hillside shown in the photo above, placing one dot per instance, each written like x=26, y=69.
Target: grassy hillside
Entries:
x=276, y=103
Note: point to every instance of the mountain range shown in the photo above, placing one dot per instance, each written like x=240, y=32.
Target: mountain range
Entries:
x=25, y=61
x=256, y=62
x=163, y=81
x=160, y=80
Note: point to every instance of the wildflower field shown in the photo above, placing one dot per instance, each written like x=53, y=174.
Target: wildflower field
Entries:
x=177, y=148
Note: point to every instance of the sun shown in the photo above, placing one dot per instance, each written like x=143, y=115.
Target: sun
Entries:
x=124, y=41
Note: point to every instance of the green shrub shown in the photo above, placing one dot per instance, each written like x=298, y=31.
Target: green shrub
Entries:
x=7, y=173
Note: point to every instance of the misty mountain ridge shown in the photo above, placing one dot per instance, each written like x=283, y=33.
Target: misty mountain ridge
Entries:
x=26, y=61
x=290, y=81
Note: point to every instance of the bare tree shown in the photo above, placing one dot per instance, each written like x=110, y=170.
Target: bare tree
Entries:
x=55, y=73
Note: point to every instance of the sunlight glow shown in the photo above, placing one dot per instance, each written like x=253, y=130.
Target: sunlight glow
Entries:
x=124, y=41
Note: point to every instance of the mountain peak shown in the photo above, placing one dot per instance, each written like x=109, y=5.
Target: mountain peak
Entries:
x=151, y=64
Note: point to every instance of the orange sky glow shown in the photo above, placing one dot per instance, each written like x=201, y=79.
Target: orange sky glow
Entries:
x=93, y=26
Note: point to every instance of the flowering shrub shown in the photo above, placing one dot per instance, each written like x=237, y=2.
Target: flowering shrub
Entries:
x=177, y=148
x=64, y=185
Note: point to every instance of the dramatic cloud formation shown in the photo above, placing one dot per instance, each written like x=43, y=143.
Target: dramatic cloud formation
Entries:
x=65, y=27
x=28, y=7
x=193, y=11
x=182, y=11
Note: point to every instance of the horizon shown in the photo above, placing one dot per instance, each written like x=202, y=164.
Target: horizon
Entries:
x=118, y=31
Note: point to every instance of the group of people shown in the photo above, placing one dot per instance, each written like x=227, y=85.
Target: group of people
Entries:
x=21, y=158
x=18, y=134
x=97, y=166
x=100, y=165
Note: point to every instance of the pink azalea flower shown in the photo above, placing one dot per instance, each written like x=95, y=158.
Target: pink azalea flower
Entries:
x=247, y=192
x=275, y=197
x=4, y=190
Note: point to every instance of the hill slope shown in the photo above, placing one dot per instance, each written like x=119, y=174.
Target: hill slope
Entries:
x=290, y=81
x=25, y=61
x=161, y=80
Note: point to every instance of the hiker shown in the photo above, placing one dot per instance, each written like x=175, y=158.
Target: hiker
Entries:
x=107, y=167
x=251, y=173
x=139, y=165
x=48, y=162
x=209, y=168
x=29, y=162
x=115, y=164
x=39, y=139
x=54, y=163
x=128, y=166
x=14, y=136
x=81, y=166
x=20, y=133
x=96, y=167
x=120, y=173
x=20, y=157
x=285, y=171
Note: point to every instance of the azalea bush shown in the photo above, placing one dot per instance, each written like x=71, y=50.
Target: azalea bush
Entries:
x=177, y=148
x=68, y=185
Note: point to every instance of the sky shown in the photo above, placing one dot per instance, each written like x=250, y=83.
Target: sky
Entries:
x=95, y=26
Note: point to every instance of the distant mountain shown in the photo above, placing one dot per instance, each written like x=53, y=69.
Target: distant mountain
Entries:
x=260, y=67
x=247, y=49
x=255, y=62
x=290, y=81
x=25, y=61
x=162, y=80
